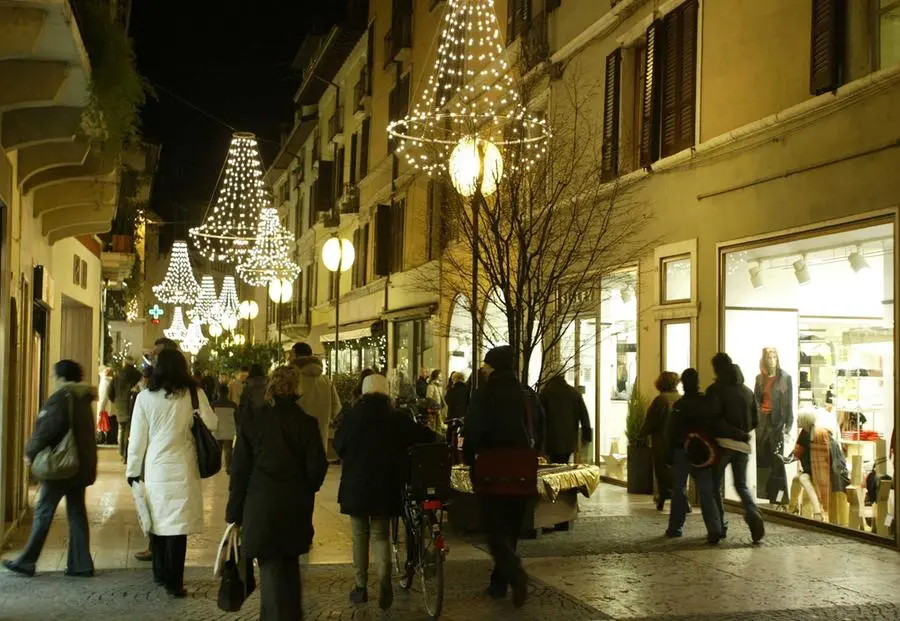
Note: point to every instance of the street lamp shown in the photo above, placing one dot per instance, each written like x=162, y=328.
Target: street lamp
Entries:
x=280, y=291
x=337, y=256
x=248, y=310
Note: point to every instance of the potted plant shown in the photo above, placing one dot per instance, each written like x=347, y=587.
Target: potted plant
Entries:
x=640, y=459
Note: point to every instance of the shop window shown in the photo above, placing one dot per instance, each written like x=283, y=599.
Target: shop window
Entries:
x=676, y=279
x=810, y=321
x=414, y=349
x=459, y=343
x=676, y=343
x=888, y=30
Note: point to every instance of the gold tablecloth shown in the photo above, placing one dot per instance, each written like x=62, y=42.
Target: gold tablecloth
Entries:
x=552, y=480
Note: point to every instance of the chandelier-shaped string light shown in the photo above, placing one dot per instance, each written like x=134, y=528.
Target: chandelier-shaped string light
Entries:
x=177, y=330
x=179, y=285
x=228, y=304
x=194, y=340
x=206, y=309
x=270, y=257
x=228, y=231
x=470, y=106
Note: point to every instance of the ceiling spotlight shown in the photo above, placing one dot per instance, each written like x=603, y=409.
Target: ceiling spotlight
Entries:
x=756, y=277
x=801, y=271
x=858, y=260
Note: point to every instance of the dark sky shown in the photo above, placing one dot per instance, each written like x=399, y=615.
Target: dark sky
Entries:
x=233, y=59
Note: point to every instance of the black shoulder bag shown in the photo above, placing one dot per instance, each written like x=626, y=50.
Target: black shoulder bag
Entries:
x=209, y=453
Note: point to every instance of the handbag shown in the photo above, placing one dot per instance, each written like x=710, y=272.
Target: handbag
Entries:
x=139, y=493
x=506, y=472
x=209, y=453
x=56, y=463
x=237, y=581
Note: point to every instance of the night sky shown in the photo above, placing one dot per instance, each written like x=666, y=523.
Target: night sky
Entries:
x=231, y=58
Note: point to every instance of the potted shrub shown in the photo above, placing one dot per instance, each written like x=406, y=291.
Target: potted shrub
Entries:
x=640, y=459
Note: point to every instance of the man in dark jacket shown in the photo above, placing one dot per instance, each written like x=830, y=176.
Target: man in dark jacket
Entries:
x=67, y=408
x=566, y=412
x=119, y=392
x=737, y=407
x=497, y=419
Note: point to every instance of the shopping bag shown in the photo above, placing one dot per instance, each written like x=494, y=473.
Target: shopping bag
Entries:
x=237, y=581
x=223, y=551
x=209, y=453
x=139, y=492
x=103, y=424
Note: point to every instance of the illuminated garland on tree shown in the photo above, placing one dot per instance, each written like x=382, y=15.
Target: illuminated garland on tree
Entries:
x=270, y=257
x=229, y=230
x=179, y=285
x=177, y=330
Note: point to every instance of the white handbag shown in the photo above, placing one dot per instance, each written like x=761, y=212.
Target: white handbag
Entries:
x=139, y=492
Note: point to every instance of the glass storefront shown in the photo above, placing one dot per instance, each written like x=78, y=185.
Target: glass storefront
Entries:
x=414, y=348
x=459, y=341
x=810, y=321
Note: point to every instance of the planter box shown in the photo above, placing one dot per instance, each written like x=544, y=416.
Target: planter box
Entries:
x=640, y=470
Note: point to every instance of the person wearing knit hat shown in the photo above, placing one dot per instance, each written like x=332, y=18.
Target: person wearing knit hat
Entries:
x=497, y=418
x=372, y=441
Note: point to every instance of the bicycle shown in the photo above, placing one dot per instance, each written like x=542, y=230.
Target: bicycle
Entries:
x=422, y=513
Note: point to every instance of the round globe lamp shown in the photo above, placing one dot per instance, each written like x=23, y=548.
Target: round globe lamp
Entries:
x=469, y=158
x=280, y=291
x=338, y=254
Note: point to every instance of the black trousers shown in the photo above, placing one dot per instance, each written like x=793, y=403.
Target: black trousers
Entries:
x=663, y=474
x=560, y=458
x=503, y=517
x=168, y=560
x=79, y=559
x=124, y=431
x=280, y=592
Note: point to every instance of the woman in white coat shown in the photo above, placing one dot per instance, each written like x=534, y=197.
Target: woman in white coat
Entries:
x=162, y=452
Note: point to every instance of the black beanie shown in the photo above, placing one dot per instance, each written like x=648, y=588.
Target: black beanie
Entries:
x=68, y=370
x=500, y=358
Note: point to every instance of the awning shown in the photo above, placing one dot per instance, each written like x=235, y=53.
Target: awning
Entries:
x=413, y=312
x=347, y=335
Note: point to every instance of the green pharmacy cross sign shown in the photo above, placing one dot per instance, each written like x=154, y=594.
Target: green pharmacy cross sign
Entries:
x=156, y=312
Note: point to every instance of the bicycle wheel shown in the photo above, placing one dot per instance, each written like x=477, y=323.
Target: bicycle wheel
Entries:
x=432, y=566
x=401, y=545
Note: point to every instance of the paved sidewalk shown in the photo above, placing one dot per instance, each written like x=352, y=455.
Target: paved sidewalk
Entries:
x=614, y=565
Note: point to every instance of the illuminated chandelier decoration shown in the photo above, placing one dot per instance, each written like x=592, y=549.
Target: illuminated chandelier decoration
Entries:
x=228, y=304
x=229, y=230
x=179, y=286
x=270, y=258
x=206, y=309
x=194, y=340
x=177, y=330
x=470, y=107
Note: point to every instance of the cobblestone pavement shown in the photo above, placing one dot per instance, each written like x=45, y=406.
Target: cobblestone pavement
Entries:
x=614, y=564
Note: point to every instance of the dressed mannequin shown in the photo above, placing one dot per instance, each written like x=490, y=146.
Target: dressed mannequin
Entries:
x=813, y=452
x=775, y=401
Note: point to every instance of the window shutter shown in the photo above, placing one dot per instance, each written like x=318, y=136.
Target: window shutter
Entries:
x=364, y=151
x=827, y=45
x=324, y=196
x=512, y=9
x=354, y=146
x=370, y=57
x=552, y=5
x=610, y=165
x=383, y=240
x=650, y=105
x=436, y=237
x=669, y=87
x=524, y=14
x=688, y=74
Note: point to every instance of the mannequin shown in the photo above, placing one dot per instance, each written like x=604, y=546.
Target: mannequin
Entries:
x=812, y=450
x=775, y=401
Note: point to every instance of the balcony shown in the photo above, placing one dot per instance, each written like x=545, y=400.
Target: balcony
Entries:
x=535, y=42
x=350, y=200
x=336, y=125
x=398, y=40
x=362, y=101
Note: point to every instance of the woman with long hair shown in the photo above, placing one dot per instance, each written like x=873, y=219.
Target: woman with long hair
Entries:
x=279, y=464
x=162, y=452
x=655, y=426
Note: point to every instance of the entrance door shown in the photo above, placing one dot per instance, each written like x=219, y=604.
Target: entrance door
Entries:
x=77, y=334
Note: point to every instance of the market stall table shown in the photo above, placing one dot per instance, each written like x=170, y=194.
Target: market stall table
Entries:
x=555, y=505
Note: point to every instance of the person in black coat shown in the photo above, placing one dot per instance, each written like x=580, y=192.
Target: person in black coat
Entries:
x=497, y=419
x=253, y=396
x=279, y=464
x=67, y=408
x=457, y=397
x=566, y=412
x=120, y=392
x=372, y=442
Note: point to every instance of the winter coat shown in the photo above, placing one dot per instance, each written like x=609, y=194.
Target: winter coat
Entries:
x=372, y=442
x=318, y=397
x=422, y=388
x=782, y=396
x=698, y=413
x=52, y=424
x=497, y=416
x=235, y=389
x=735, y=404
x=434, y=392
x=119, y=391
x=162, y=452
x=278, y=466
x=656, y=422
x=565, y=411
x=252, y=399
x=457, y=400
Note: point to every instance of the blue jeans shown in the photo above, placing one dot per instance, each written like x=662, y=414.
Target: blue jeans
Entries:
x=738, y=463
x=703, y=478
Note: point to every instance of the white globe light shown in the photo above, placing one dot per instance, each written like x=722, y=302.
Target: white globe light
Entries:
x=244, y=309
x=215, y=329
x=338, y=252
x=254, y=309
x=466, y=163
x=229, y=322
x=239, y=339
x=280, y=291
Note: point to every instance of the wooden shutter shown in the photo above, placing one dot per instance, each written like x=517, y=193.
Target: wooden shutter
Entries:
x=370, y=57
x=669, y=43
x=324, y=196
x=650, y=104
x=436, y=216
x=383, y=240
x=610, y=164
x=687, y=95
x=512, y=10
x=354, y=146
x=826, y=53
x=398, y=228
x=364, y=151
x=678, y=89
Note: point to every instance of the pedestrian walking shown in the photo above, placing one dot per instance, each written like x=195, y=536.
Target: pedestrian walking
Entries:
x=253, y=396
x=69, y=408
x=655, y=425
x=225, y=411
x=566, y=413
x=372, y=442
x=163, y=454
x=737, y=406
x=120, y=392
x=279, y=465
x=318, y=397
x=497, y=419
x=422, y=383
x=434, y=393
x=457, y=397
x=236, y=386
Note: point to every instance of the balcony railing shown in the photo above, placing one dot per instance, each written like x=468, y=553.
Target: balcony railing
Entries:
x=361, y=95
x=350, y=199
x=535, y=42
x=336, y=124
